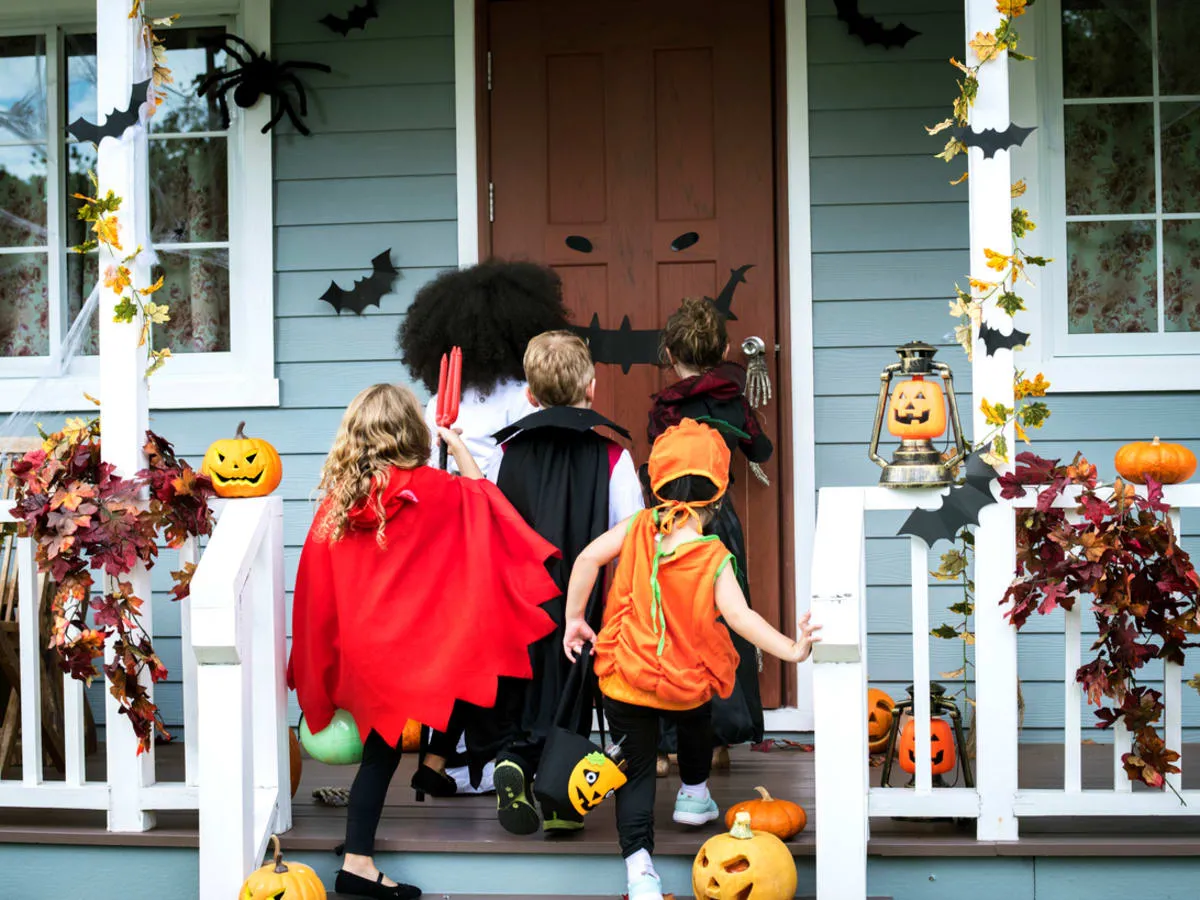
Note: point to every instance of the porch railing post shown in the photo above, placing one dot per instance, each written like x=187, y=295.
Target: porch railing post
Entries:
x=995, y=539
x=122, y=168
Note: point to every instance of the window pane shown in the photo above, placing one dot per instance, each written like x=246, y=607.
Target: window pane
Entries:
x=190, y=63
x=1181, y=281
x=81, y=78
x=81, y=159
x=189, y=190
x=1110, y=158
x=23, y=88
x=197, y=289
x=25, y=312
x=83, y=271
x=23, y=196
x=1180, y=157
x=1106, y=48
x=1112, y=286
x=1178, y=26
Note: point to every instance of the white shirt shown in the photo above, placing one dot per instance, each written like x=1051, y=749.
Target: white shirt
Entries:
x=479, y=418
x=624, y=491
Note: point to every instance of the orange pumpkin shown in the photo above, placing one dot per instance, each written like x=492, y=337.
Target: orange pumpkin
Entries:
x=879, y=719
x=782, y=818
x=410, y=741
x=917, y=410
x=744, y=863
x=1166, y=463
x=941, y=747
x=295, y=762
x=242, y=466
x=281, y=880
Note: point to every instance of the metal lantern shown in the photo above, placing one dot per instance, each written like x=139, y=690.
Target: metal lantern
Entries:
x=916, y=414
x=939, y=704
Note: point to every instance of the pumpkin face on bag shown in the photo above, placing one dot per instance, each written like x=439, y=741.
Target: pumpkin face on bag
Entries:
x=941, y=747
x=593, y=780
x=242, y=466
x=744, y=863
x=879, y=719
x=917, y=410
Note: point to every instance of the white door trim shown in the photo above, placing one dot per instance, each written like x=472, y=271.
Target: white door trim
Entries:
x=798, y=353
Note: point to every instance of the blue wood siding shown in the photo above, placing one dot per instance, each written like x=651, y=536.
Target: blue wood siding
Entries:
x=890, y=241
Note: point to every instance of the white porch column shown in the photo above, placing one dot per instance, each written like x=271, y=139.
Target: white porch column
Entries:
x=122, y=168
x=995, y=539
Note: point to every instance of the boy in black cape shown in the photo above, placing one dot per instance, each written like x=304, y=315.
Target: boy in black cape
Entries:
x=571, y=484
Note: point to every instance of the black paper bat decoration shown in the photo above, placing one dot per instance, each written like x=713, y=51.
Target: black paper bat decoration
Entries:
x=356, y=18
x=960, y=506
x=870, y=30
x=990, y=140
x=724, y=301
x=366, y=291
x=995, y=340
x=118, y=120
x=623, y=346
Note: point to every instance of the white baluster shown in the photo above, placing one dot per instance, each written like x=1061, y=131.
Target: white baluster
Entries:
x=919, y=556
x=1072, y=749
x=29, y=638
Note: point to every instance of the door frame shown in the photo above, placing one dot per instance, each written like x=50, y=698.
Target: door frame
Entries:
x=794, y=252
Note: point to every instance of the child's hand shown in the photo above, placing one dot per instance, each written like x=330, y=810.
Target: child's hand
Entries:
x=807, y=637
x=577, y=633
x=451, y=437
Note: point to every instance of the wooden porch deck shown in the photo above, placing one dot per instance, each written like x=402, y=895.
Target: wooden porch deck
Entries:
x=468, y=824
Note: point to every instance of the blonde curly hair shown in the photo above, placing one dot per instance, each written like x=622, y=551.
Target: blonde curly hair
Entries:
x=382, y=427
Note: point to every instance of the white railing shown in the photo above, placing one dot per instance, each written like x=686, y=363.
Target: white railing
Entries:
x=844, y=801
x=238, y=631
x=126, y=782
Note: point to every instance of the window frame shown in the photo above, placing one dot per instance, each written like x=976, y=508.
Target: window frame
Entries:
x=243, y=376
x=1074, y=363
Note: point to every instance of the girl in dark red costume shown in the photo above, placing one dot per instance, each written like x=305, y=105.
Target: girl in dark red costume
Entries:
x=402, y=558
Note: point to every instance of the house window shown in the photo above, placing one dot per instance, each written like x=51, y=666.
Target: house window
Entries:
x=47, y=79
x=1130, y=125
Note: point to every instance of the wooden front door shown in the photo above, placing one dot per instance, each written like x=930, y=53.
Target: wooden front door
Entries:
x=631, y=147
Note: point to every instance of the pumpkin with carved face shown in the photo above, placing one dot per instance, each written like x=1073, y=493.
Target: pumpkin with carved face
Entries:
x=280, y=880
x=243, y=466
x=879, y=719
x=941, y=747
x=917, y=410
x=593, y=780
x=744, y=863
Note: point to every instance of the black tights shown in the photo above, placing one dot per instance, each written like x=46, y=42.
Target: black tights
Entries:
x=635, y=728
x=368, y=793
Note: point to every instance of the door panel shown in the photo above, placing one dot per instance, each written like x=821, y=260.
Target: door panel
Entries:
x=634, y=124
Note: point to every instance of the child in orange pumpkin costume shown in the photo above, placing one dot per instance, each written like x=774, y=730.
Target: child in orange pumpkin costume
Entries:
x=661, y=651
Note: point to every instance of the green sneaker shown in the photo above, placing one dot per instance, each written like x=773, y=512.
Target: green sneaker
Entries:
x=691, y=810
x=516, y=813
x=553, y=825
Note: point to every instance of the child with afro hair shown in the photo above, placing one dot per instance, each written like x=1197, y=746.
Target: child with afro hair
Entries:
x=491, y=310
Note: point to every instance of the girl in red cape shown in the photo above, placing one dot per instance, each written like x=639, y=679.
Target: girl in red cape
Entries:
x=403, y=563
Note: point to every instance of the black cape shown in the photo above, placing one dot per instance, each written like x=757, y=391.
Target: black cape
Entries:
x=555, y=471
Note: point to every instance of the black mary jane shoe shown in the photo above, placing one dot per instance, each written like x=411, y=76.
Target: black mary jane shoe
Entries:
x=436, y=784
x=357, y=886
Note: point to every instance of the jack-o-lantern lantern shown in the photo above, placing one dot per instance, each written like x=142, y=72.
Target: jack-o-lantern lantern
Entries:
x=744, y=863
x=879, y=719
x=279, y=880
x=917, y=410
x=242, y=466
x=941, y=747
x=592, y=781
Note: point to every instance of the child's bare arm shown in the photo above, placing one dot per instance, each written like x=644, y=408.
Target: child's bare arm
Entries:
x=467, y=467
x=741, y=618
x=595, y=556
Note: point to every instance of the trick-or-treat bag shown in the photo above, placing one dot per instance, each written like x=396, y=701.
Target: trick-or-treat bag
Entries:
x=576, y=774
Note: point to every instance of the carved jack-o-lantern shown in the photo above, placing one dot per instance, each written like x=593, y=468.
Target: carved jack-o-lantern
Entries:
x=917, y=410
x=744, y=863
x=879, y=719
x=593, y=780
x=242, y=466
x=281, y=880
x=941, y=747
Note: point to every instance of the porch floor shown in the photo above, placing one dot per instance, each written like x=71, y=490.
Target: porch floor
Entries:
x=468, y=824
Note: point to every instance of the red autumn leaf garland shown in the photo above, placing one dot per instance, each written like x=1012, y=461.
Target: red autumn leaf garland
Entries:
x=1122, y=552
x=84, y=518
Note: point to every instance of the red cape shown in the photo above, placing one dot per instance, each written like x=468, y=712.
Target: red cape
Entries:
x=451, y=604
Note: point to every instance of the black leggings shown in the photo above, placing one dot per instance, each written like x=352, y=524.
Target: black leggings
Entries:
x=367, y=794
x=635, y=728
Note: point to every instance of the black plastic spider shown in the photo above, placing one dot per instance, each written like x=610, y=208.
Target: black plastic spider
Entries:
x=257, y=76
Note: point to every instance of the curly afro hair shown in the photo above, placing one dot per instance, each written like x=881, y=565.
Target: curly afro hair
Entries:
x=492, y=310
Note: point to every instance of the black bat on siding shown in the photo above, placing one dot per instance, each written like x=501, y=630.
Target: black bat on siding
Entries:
x=356, y=18
x=869, y=29
x=366, y=291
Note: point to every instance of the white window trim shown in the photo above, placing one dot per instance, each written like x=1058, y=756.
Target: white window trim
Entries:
x=245, y=375
x=1101, y=363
